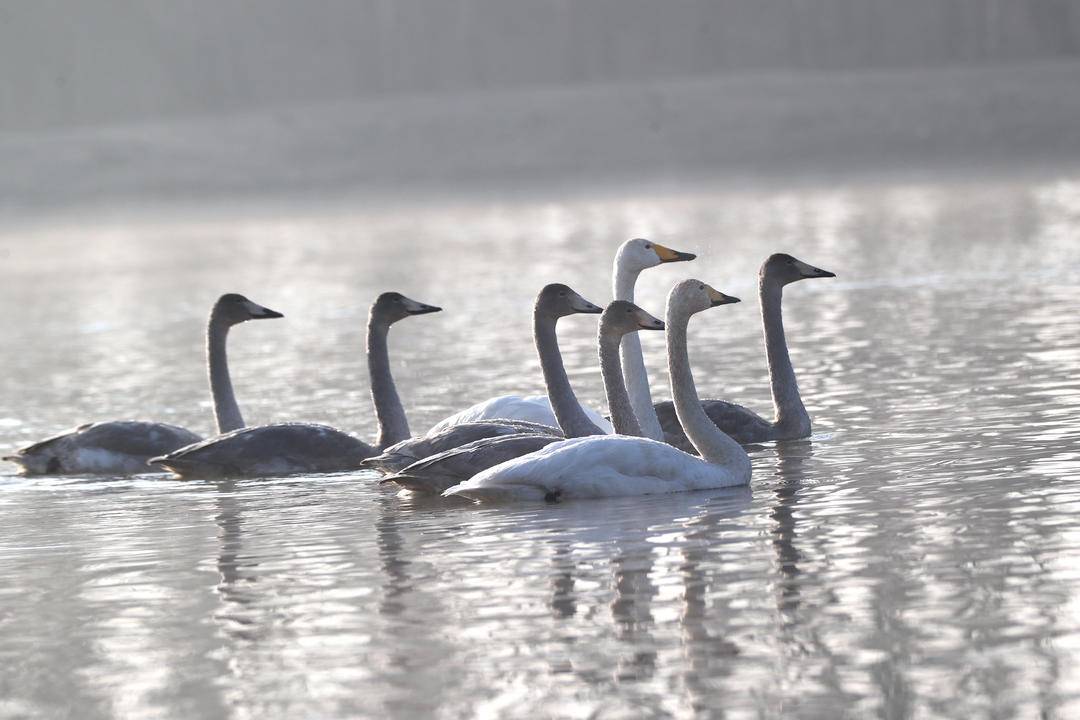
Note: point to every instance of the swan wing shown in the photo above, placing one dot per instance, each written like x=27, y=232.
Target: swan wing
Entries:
x=740, y=423
x=440, y=472
x=400, y=455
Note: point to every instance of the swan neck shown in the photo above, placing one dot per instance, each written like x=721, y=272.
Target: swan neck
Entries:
x=790, y=412
x=634, y=373
x=393, y=426
x=568, y=412
x=622, y=412
x=712, y=444
x=226, y=411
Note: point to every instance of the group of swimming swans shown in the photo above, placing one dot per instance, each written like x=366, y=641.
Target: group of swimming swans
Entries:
x=506, y=448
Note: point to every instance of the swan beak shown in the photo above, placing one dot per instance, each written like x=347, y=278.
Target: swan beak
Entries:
x=581, y=305
x=651, y=324
x=667, y=255
x=258, y=312
x=423, y=309
x=718, y=298
x=809, y=271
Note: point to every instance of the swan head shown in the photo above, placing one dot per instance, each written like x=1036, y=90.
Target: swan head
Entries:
x=623, y=317
x=390, y=307
x=640, y=254
x=693, y=296
x=233, y=309
x=558, y=300
x=785, y=269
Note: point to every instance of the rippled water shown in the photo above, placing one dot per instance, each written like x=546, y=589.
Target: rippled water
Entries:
x=920, y=557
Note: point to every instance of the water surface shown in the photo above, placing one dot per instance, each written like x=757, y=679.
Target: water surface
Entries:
x=917, y=558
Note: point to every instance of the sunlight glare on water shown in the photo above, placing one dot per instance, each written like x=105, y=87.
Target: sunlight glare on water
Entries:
x=917, y=558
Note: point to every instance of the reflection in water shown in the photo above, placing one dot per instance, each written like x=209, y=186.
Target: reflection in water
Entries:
x=917, y=558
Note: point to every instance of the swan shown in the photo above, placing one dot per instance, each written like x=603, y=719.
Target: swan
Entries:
x=123, y=446
x=444, y=470
x=292, y=448
x=554, y=301
x=613, y=465
x=632, y=257
x=791, y=419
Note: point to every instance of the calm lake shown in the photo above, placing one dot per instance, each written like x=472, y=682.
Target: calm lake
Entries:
x=918, y=557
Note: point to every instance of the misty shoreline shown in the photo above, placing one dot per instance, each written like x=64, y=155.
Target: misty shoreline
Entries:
x=739, y=131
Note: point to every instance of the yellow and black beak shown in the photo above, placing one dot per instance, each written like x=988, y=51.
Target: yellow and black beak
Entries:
x=718, y=298
x=667, y=255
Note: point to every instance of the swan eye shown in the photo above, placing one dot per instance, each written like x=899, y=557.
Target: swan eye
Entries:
x=700, y=287
x=562, y=294
x=648, y=246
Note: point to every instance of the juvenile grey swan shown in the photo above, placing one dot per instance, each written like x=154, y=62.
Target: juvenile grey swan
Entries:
x=292, y=448
x=633, y=257
x=612, y=465
x=554, y=301
x=440, y=472
x=791, y=420
x=122, y=447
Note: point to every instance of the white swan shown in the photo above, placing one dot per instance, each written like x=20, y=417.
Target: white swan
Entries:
x=632, y=257
x=791, y=420
x=553, y=302
x=292, y=448
x=618, y=465
x=123, y=446
x=444, y=470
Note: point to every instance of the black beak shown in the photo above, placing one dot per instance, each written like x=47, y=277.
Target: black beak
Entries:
x=592, y=310
x=657, y=325
x=267, y=314
x=425, y=309
x=819, y=273
x=725, y=300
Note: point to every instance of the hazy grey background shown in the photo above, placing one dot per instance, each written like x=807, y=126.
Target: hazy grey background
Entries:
x=67, y=63
x=109, y=100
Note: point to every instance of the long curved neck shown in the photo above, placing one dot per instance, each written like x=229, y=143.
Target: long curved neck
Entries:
x=790, y=412
x=393, y=426
x=622, y=411
x=572, y=419
x=711, y=443
x=633, y=361
x=226, y=411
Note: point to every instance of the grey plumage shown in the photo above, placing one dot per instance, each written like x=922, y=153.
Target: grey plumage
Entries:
x=441, y=472
x=399, y=456
x=118, y=446
x=269, y=450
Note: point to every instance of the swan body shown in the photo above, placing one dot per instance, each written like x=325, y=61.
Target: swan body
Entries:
x=123, y=447
x=270, y=451
x=399, y=456
x=614, y=465
x=528, y=408
x=596, y=467
x=294, y=448
x=791, y=420
x=440, y=472
x=112, y=447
